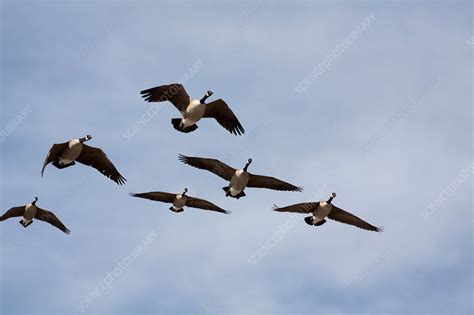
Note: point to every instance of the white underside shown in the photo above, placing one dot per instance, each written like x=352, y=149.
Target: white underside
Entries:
x=234, y=192
x=238, y=182
x=64, y=161
x=26, y=221
x=188, y=122
x=193, y=113
x=316, y=219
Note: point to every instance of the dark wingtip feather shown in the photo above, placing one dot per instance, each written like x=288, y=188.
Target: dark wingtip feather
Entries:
x=290, y=188
x=146, y=92
x=275, y=208
x=237, y=130
x=183, y=158
x=147, y=95
x=120, y=180
x=379, y=229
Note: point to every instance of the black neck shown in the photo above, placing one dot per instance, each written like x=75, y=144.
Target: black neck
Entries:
x=246, y=166
x=203, y=99
x=33, y=203
x=82, y=140
x=330, y=199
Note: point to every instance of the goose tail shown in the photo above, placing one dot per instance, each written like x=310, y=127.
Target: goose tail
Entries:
x=176, y=122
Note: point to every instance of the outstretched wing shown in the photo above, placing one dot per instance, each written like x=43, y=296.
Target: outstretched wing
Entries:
x=48, y=216
x=13, y=212
x=175, y=93
x=306, y=207
x=342, y=216
x=156, y=196
x=203, y=204
x=212, y=165
x=98, y=159
x=259, y=181
x=54, y=153
x=221, y=112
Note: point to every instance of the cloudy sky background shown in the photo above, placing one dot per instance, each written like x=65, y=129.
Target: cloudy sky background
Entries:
x=79, y=68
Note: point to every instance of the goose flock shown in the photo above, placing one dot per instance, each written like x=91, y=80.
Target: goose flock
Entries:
x=66, y=154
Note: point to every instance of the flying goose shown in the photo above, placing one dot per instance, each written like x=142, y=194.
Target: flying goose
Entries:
x=32, y=211
x=179, y=201
x=238, y=179
x=65, y=154
x=192, y=109
x=325, y=209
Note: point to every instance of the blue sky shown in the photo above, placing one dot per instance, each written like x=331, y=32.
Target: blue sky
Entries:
x=79, y=67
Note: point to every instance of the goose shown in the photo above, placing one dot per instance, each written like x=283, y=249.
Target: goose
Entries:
x=179, y=201
x=32, y=211
x=238, y=179
x=192, y=110
x=63, y=155
x=325, y=209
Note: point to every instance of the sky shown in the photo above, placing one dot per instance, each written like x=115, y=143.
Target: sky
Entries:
x=371, y=100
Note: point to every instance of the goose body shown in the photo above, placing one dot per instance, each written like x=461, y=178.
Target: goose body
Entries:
x=193, y=113
x=238, y=182
x=29, y=214
x=238, y=179
x=321, y=212
x=31, y=211
x=179, y=201
x=193, y=110
x=63, y=155
x=325, y=209
x=71, y=153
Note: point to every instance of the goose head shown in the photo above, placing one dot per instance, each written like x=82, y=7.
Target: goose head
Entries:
x=333, y=195
x=86, y=138
x=184, y=192
x=249, y=161
x=205, y=97
x=34, y=201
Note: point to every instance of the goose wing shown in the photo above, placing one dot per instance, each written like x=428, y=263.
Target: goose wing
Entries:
x=156, y=196
x=212, y=165
x=13, y=212
x=96, y=158
x=221, y=112
x=203, y=204
x=305, y=207
x=175, y=93
x=259, y=181
x=51, y=218
x=54, y=153
x=342, y=216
